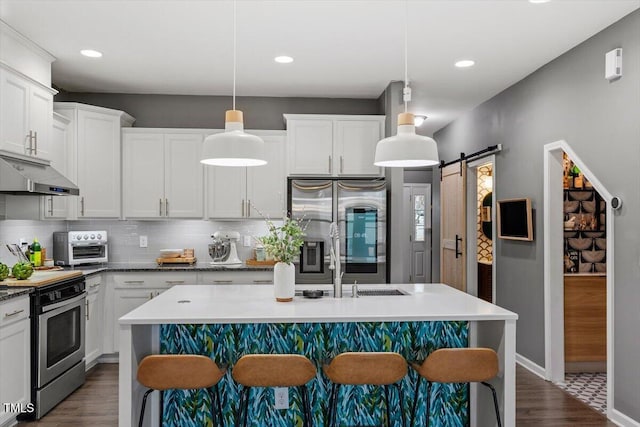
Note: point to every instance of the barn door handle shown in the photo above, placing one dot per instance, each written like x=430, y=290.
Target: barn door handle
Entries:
x=458, y=240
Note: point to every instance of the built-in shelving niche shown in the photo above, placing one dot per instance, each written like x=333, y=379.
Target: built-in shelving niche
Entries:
x=585, y=234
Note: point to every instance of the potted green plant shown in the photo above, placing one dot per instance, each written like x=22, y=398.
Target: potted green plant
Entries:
x=283, y=244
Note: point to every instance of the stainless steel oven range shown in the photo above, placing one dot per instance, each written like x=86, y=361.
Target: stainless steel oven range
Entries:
x=57, y=342
x=80, y=247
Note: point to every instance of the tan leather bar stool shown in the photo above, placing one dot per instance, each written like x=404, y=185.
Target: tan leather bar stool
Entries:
x=361, y=368
x=184, y=372
x=273, y=370
x=457, y=365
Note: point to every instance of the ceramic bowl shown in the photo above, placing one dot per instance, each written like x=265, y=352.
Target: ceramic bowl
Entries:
x=601, y=267
x=601, y=243
x=571, y=206
x=585, y=268
x=580, y=195
x=589, y=206
x=593, y=256
x=580, y=244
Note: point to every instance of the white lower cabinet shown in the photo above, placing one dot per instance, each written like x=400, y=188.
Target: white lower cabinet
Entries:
x=94, y=329
x=128, y=291
x=235, y=277
x=15, y=356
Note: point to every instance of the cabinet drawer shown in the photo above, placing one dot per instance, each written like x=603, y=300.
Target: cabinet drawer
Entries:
x=14, y=310
x=153, y=279
x=92, y=283
x=235, y=277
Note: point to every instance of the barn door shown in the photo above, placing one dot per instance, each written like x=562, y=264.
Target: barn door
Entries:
x=453, y=226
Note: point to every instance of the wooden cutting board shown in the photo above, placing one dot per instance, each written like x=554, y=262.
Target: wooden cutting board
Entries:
x=41, y=278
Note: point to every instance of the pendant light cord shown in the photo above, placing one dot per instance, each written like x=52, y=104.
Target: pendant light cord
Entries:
x=234, y=53
x=406, y=50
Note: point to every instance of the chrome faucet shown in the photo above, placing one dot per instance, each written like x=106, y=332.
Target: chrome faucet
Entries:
x=335, y=260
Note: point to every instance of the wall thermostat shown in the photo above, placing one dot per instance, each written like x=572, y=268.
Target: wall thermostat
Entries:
x=616, y=203
x=613, y=64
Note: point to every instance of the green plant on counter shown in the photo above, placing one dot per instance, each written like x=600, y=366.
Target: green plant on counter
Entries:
x=22, y=270
x=283, y=243
x=4, y=271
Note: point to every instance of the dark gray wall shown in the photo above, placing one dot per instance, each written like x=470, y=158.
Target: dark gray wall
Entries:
x=190, y=111
x=568, y=99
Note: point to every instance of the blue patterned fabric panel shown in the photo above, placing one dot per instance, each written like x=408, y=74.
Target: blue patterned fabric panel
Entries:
x=357, y=405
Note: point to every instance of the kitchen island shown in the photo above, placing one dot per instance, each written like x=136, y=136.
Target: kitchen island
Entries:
x=225, y=322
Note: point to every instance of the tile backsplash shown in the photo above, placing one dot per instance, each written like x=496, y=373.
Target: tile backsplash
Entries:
x=124, y=236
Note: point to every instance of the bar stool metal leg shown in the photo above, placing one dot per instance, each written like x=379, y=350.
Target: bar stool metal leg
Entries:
x=334, y=405
x=216, y=406
x=401, y=402
x=415, y=401
x=144, y=404
x=495, y=401
x=428, y=409
x=308, y=419
x=386, y=404
x=241, y=414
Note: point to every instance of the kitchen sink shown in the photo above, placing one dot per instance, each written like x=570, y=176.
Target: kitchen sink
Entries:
x=363, y=292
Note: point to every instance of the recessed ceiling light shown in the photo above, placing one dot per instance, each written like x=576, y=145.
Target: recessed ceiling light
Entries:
x=419, y=120
x=91, y=53
x=539, y=1
x=465, y=63
x=283, y=59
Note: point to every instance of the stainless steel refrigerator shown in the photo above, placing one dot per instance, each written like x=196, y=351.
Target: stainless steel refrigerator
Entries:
x=359, y=207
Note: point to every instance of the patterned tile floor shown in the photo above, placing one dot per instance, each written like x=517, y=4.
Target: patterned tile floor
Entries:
x=589, y=387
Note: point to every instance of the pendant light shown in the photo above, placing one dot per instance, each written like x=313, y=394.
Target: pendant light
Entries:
x=406, y=148
x=233, y=147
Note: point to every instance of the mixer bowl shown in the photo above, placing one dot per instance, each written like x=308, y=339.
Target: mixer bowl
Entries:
x=218, y=250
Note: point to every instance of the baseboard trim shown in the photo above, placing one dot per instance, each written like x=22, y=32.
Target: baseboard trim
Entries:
x=622, y=420
x=530, y=366
x=109, y=358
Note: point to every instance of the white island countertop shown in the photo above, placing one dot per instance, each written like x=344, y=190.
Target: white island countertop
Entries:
x=202, y=304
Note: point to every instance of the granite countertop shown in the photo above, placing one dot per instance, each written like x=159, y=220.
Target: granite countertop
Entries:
x=8, y=293
x=152, y=266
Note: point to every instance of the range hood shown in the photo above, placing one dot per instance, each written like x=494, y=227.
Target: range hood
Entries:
x=23, y=175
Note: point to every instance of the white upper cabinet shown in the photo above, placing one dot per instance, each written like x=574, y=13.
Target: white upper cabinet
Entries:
x=95, y=160
x=266, y=185
x=183, y=176
x=310, y=145
x=57, y=207
x=333, y=145
x=355, y=146
x=25, y=115
x=242, y=192
x=163, y=176
x=143, y=175
x=26, y=98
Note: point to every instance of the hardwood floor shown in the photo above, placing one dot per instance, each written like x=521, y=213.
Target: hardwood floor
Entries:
x=538, y=403
x=95, y=404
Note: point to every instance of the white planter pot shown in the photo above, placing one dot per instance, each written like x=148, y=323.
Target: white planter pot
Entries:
x=284, y=281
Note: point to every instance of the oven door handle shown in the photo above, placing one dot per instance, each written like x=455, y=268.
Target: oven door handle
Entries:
x=51, y=307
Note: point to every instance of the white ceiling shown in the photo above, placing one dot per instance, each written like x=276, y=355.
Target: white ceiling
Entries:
x=341, y=48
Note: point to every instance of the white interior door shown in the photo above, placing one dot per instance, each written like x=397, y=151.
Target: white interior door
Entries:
x=417, y=213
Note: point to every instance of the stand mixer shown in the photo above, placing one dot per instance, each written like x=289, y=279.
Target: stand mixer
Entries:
x=223, y=250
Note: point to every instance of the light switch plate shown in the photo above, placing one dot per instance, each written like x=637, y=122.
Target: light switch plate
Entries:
x=143, y=241
x=247, y=241
x=281, y=397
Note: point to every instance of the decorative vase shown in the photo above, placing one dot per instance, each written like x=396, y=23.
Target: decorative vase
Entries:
x=284, y=281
